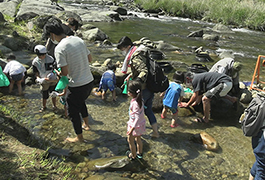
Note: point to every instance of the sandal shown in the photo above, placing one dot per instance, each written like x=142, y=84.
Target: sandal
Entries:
x=128, y=154
x=139, y=156
x=173, y=126
x=200, y=120
x=42, y=109
x=163, y=117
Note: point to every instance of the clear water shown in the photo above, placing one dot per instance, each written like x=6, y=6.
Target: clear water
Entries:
x=173, y=155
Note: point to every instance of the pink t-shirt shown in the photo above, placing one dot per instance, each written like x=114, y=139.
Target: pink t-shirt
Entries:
x=137, y=119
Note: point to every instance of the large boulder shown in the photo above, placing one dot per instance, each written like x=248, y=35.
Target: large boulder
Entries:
x=9, y=8
x=5, y=50
x=94, y=34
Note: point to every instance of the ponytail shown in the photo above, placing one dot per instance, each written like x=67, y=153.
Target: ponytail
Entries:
x=135, y=87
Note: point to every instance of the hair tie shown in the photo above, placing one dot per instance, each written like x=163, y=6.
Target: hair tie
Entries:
x=138, y=91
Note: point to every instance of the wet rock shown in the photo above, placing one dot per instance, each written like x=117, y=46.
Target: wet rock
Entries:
x=64, y=15
x=203, y=57
x=25, y=16
x=206, y=140
x=5, y=50
x=119, y=10
x=166, y=46
x=94, y=34
x=212, y=37
x=198, y=33
x=221, y=28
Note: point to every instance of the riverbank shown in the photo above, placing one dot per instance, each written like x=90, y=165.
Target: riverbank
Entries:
x=245, y=13
x=23, y=158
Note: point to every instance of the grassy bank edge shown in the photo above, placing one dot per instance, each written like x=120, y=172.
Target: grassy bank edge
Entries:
x=21, y=156
x=238, y=13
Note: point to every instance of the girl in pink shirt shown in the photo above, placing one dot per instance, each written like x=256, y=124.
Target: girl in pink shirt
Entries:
x=136, y=123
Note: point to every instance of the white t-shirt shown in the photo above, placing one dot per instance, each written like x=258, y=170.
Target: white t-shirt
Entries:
x=14, y=67
x=72, y=51
x=44, y=66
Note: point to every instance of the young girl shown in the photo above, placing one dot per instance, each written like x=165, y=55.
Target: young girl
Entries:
x=136, y=123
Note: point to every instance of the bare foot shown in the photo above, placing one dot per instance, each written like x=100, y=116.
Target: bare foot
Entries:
x=85, y=127
x=72, y=140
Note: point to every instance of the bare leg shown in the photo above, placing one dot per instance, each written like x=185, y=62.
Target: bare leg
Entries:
x=85, y=125
x=65, y=111
x=155, y=131
x=139, y=144
x=78, y=138
x=54, y=102
x=44, y=102
x=174, y=120
x=19, y=87
x=11, y=85
x=164, y=113
x=132, y=147
x=103, y=94
x=206, y=108
x=250, y=177
x=114, y=95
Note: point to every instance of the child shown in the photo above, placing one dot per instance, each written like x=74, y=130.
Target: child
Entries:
x=136, y=123
x=16, y=72
x=173, y=95
x=43, y=66
x=108, y=81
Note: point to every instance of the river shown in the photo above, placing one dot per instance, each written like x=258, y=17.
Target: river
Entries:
x=173, y=155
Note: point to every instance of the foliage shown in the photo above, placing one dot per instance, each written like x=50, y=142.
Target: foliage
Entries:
x=244, y=13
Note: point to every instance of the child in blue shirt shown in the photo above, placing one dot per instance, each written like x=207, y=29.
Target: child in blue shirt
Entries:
x=172, y=96
x=108, y=81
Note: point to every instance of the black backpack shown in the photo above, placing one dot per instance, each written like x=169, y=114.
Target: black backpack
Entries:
x=252, y=119
x=156, y=80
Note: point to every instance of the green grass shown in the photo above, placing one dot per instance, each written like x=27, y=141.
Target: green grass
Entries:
x=240, y=13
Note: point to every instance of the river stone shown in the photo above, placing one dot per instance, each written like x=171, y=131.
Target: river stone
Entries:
x=166, y=46
x=208, y=141
x=221, y=28
x=120, y=10
x=9, y=8
x=198, y=33
x=212, y=37
x=12, y=43
x=64, y=15
x=5, y=50
x=25, y=16
x=94, y=34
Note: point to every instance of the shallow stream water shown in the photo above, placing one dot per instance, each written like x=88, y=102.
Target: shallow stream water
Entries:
x=171, y=156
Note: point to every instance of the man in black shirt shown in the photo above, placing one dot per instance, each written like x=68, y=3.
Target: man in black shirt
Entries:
x=207, y=86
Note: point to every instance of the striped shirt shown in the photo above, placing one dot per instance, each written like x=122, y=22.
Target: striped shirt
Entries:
x=72, y=52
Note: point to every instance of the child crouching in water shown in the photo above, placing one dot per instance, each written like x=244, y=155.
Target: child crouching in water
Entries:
x=136, y=123
x=172, y=96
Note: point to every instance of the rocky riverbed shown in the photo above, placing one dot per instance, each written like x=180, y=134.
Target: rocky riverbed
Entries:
x=171, y=156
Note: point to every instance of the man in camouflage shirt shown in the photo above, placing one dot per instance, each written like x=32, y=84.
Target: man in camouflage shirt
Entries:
x=135, y=58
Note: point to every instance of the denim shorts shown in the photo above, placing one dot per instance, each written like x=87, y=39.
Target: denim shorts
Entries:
x=17, y=77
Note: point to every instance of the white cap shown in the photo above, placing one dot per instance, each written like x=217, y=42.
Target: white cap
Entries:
x=40, y=49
